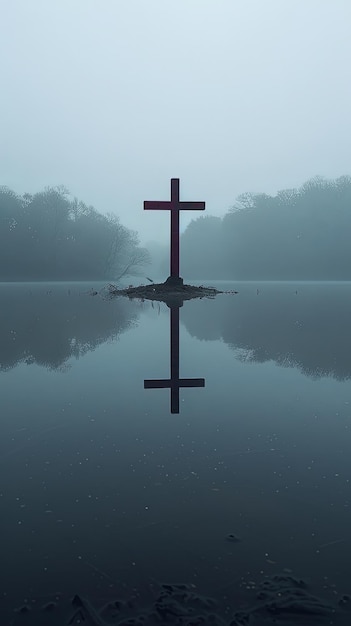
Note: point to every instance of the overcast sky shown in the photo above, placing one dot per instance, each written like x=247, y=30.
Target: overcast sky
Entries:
x=112, y=98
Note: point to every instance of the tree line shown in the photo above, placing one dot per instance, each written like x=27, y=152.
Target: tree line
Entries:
x=298, y=234
x=50, y=236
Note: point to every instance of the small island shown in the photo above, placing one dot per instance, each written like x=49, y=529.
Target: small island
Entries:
x=172, y=292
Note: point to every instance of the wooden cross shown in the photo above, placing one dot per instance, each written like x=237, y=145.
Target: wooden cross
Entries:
x=174, y=206
x=174, y=382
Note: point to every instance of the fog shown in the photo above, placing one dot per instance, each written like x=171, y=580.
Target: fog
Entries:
x=112, y=99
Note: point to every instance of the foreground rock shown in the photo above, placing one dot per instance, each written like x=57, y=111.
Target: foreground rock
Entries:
x=273, y=601
x=168, y=292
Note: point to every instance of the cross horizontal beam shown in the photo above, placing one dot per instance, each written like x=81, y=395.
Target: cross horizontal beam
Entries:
x=166, y=383
x=174, y=386
x=162, y=205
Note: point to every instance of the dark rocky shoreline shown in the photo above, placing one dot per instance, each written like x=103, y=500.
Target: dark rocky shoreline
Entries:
x=275, y=600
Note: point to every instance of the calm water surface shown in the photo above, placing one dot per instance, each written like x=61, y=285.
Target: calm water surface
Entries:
x=106, y=493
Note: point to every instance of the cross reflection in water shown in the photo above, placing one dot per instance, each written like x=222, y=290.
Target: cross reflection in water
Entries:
x=174, y=382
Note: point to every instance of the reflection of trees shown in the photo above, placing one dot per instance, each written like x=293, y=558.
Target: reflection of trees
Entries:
x=48, y=325
x=308, y=329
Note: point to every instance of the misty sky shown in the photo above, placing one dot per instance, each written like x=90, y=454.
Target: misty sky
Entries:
x=112, y=98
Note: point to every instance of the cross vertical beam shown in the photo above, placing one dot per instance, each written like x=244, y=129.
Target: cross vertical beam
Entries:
x=174, y=259
x=175, y=380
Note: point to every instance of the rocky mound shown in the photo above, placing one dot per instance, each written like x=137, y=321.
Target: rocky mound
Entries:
x=168, y=292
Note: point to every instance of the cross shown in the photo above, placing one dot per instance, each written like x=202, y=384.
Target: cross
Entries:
x=174, y=206
x=174, y=383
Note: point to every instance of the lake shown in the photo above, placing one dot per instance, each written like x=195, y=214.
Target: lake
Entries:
x=226, y=502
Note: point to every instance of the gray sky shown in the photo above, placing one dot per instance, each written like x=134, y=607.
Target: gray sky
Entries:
x=112, y=98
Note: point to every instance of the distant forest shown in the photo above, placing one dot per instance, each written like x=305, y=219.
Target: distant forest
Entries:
x=298, y=234
x=49, y=236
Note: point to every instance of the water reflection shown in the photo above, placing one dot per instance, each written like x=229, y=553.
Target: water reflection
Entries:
x=174, y=383
x=304, y=326
x=103, y=497
x=49, y=324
